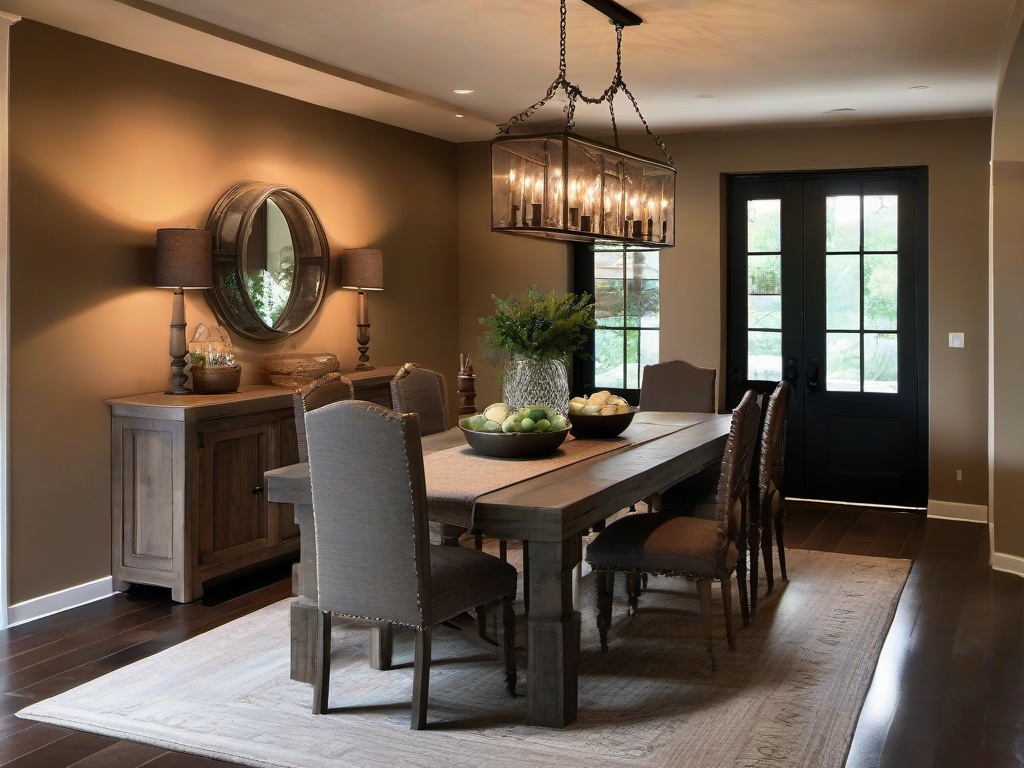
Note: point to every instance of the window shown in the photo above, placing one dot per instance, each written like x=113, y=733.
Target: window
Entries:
x=625, y=285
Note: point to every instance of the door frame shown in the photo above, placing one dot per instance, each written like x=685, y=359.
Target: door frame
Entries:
x=920, y=316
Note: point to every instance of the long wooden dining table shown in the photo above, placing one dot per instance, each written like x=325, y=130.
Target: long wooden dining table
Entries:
x=550, y=512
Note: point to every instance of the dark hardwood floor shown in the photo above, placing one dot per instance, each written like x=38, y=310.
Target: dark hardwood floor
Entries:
x=948, y=691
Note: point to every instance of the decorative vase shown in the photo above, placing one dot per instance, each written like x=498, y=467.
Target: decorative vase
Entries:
x=528, y=382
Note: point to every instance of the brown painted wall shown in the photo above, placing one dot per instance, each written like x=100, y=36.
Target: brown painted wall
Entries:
x=1008, y=313
x=106, y=147
x=957, y=155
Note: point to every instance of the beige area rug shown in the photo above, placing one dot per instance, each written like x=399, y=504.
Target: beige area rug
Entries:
x=789, y=696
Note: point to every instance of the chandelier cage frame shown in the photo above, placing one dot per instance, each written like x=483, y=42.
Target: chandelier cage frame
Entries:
x=564, y=186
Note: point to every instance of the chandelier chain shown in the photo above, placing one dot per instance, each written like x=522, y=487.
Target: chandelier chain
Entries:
x=573, y=92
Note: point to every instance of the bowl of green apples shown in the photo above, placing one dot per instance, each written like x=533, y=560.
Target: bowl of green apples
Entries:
x=504, y=432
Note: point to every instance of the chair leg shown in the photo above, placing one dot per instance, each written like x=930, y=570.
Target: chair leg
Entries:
x=780, y=527
x=741, y=570
x=633, y=589
x=478, y=540
x=754, y=548
x=508, y=618
x=605, y=591
x=481, y=620
x=727, y=607
x=421, y=679
x=322, y=675
x=766, y=555
x=704, y=593
x=503, y=550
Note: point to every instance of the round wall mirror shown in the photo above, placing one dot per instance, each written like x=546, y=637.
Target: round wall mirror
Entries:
x=270, y=260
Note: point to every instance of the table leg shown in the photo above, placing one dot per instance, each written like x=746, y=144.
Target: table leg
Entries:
x=553, y=634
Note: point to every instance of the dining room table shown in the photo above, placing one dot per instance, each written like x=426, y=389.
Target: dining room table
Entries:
x=548, y=503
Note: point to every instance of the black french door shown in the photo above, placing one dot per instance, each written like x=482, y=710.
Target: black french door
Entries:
x=827, y=288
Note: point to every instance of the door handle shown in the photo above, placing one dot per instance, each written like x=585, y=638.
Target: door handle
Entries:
x=812, y=375
x=792, y=374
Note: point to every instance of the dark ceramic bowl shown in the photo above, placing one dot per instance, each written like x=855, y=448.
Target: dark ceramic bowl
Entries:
x=515, y=445
x=594, y=426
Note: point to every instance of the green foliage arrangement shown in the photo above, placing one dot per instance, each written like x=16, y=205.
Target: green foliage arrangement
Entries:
x=540, y=326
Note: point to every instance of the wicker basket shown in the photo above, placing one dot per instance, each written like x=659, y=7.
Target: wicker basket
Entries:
x=295, y=370
x=216, y=380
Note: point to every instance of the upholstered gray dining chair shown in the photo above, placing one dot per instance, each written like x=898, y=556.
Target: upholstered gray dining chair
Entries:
x=695, y=548
x=678, y=385
x=374, y=560
x=420, y=390
x=768, y=509
x=329, y=388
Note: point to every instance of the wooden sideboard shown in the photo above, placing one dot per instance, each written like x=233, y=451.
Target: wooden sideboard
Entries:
x=186, y=492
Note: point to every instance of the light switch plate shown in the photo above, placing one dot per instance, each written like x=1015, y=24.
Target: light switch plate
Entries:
x=956, y=340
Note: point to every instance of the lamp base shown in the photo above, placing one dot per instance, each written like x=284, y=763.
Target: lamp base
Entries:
x=364, y=367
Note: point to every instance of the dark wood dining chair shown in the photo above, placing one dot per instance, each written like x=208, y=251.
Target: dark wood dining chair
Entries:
x=374, y=560
x=768, y=505
x=699, y=549
x=329, y=388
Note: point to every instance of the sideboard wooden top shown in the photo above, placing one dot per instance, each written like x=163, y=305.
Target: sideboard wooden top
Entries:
x=248, y=399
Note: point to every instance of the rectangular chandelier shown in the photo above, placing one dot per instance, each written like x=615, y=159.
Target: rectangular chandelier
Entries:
x=563, y=186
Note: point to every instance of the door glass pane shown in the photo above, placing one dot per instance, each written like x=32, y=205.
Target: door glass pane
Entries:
x=764, y=289
x=880, y=362
x=649, y=352
x=880, y=281
x=764, y=356
x=609, y=358
x=880, y=222
x=764, y=230
x=842, y=362
x=608, y=301
x=842, y=223
x=842, y=291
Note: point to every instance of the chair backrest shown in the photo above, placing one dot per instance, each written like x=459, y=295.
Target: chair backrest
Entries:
x=369, y=513
x=677, y=385
x=733, y=485
x=773, y=439
x=329, y=388
x=422, y=391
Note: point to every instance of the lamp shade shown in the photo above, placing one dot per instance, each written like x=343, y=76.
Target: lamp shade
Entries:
x=362, y=269
x=184, y=258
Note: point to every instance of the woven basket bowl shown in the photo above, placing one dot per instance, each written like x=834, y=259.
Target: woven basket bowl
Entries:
x=218, y=380
x=295, y=370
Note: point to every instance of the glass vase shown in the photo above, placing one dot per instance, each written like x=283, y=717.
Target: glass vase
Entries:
x=531, y=382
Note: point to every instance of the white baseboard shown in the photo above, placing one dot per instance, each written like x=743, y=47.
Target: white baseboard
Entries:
x=952, y=510
x=55, y=602
x=1008, y=563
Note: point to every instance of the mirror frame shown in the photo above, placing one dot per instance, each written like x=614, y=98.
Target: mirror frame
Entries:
x=230, y=223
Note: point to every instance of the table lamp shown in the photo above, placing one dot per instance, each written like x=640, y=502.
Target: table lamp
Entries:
x=184, y=259
x=362, y=269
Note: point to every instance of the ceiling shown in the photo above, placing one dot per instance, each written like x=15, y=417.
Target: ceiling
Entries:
x=692, y=64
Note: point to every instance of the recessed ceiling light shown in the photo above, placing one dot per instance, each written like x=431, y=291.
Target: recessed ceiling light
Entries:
x=458, y=115
x=840, y=109
x=919, y=88
x=462, y=91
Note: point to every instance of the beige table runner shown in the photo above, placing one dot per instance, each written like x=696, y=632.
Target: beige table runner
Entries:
x=456, y=477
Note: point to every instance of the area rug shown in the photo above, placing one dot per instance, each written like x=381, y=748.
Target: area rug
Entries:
x=788, y=696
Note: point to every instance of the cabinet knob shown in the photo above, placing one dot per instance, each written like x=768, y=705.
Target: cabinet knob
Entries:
x=257, y=490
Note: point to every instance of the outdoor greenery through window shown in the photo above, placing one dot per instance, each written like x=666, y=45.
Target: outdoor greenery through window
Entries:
x=764, y=290
x=627, y=308
x=860, y=293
